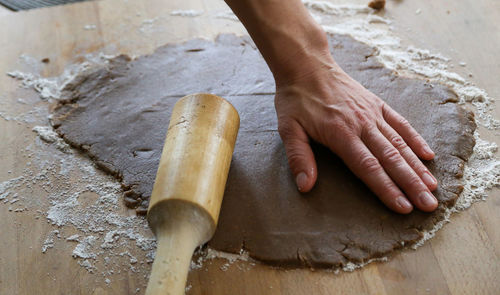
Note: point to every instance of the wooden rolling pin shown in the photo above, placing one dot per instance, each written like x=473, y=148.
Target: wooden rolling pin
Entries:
x=187, y=194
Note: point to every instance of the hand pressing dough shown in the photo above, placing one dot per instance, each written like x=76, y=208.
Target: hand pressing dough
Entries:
x=119, y=115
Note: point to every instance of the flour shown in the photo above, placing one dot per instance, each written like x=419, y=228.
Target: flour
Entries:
x=343, y=10
x=350, y=267
x=91, y=205
x=186, y=13
x=149, y=21
x=229, y=15
x=149, y=26
x=49, y=241
x=73, y=238
x=49, y=88
x=89, y=27
x=84, y=248
x=48, y=134
x=84, y=209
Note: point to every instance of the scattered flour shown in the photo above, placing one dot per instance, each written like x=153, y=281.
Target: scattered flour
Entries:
x=89, y=27
x=84, y=248
x=149, y=26
x=186, y=13
x=149, y=21
x=349, y=266
x=50, y=88
x=49, y=241
x=48, y=134
x=229, y=15
x=92, y=204
x=73, y=238
x=343, y=10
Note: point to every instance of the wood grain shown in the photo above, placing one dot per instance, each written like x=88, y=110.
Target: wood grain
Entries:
x=462, y=259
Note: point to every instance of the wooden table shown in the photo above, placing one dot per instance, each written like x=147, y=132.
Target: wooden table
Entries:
x=462, y=259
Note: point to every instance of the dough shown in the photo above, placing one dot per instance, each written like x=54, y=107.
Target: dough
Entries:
x=377, y=4
x=119, y=115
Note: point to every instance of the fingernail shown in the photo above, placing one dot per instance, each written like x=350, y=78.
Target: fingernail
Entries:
x=301, y=180
x=428, y=179
x=403, y=203
x=427, y=199
x=428, y=150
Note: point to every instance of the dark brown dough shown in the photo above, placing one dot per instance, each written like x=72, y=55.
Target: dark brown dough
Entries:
x=377, y=4
x=119, y=116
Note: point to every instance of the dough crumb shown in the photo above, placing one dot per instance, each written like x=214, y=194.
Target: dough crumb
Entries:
x=377, y=4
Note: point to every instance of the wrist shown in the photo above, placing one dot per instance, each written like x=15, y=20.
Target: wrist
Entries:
x=306, y=56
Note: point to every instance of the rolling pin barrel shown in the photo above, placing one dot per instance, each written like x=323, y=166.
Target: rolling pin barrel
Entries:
x=189, y=186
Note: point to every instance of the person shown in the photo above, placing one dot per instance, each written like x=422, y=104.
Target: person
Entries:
x=316, y=100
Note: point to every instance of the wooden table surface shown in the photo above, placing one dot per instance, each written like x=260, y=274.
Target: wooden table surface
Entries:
x=463, y=258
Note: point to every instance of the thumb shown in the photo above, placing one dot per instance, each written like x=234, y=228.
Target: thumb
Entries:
x=299, y=154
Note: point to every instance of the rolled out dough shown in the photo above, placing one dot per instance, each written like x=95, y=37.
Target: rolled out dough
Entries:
x=119, y=114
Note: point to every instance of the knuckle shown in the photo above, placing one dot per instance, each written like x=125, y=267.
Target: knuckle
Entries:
x=367, y=131
x=385, y=109
x=369, y=164
x=390, y=188
x=398, y=142
x=403, y=122
x=416, y=164
x=416, y=137
x=415, y=182
x=391, y=155
x=362, y=118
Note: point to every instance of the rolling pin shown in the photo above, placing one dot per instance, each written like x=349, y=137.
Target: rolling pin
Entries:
x=190, y=182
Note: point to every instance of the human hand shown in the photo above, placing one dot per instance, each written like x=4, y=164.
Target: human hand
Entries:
x=325, y=104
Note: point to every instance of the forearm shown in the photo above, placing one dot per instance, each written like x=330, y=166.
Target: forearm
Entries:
x=286, y=35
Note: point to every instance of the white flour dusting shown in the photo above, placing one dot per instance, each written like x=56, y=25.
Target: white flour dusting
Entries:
x=186, y=13
x=228, y=15
x=89, y=27
x=84, y=248
x=343, y=10
x=88, y=210
x=48, y=134
x=49, y=241
x=150, y=26
x=50, y=88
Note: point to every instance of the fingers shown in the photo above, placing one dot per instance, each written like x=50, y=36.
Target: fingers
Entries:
x=366, y=166
x=413, y=161
x=398, y=169
x=410, y=135
x=299, y=154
